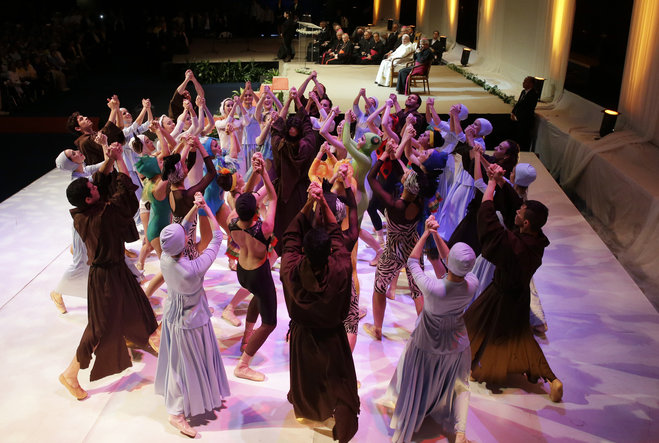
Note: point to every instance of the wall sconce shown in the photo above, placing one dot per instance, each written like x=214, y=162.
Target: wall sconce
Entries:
x=464, y=60
x=539, y=83
x=609, y=118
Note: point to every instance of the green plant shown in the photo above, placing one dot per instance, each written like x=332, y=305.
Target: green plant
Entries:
x=494, y=90
x=231, y=72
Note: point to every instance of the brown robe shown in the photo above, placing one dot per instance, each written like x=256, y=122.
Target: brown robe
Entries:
x=498, y=321
x=322, y=372
x=292, y=160
x=93, y=151
x=117, y=305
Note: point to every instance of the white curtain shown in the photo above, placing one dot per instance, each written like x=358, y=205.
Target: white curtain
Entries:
x=639, y=95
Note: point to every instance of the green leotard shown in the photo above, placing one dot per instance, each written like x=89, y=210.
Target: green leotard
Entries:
x=361, y=164
x=160, y=212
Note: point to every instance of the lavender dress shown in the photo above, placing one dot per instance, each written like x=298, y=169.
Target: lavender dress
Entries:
x=190, y=373
x=432, y=377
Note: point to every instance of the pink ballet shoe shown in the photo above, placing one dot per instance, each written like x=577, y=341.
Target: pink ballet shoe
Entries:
x=556, y=393
x=180, y=423
x=373, y=331
x=76, y=391
x=56, y=297
x=229, y=316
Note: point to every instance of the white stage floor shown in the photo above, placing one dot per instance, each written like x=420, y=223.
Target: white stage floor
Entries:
x=603, y=343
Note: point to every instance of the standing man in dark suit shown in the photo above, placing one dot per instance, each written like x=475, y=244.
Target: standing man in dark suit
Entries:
x=436, y=48
x=523, y=113
x=287, y=34
x=423, y=56
x=392, y=38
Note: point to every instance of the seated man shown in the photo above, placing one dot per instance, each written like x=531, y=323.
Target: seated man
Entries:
x=399, y=57
x=316, y=276
x=376, y=51
x=363, y=46
x=332, y=47
x=343, y=53
x=422, y=57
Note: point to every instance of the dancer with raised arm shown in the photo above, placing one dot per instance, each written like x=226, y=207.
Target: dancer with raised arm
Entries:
x=190, y=373
x=118, y=309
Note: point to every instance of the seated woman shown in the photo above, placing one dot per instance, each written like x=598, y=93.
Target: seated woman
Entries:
x=432, y=377
x=190, y=374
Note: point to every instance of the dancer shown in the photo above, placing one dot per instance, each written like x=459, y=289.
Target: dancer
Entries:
x=181, y=199
x=432, y=377
x=498, y=321
x=402, y=216
x=253, y=237
x=294, y=148
x=117, y=306
x=190, y=373
x=74, y=279
x=316, y=275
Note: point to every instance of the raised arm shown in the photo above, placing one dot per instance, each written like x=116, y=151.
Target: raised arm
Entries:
x=197, y=86
x=268, y=224
x=283, y=112
x=350, y=144
x=258, y=116
x=182, y=87
x=108, y=163
x=394, y=99
x=325, y=133
x=275, y=101
x=376, y=187
x=386, y=122
x=303, y=86
x=265, y=128
x=370, y=121
x=115, y=115
x=211, y=172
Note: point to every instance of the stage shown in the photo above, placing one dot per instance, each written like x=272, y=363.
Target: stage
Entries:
x=603, y=343
x=343, y=82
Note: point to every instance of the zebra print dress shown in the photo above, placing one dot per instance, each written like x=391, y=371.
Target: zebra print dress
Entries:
x=401, y=238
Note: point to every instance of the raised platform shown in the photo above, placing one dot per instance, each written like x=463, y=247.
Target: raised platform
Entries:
x=344, y=81
x=603, y=342
x=616, y=178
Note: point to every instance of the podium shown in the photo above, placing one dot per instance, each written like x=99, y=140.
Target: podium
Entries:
x=306, y=32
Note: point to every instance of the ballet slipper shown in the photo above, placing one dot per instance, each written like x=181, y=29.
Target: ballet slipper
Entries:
x=229, y=316
x=362, y=312
x=180, y=423
x=56, y=297
x=460, y=437
x=243, y=370
x=154, y=339
x=129, y=253
x=376, y=259
x=76, y=391
x=540, y=330
x=556, y=392
x=373, y=331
